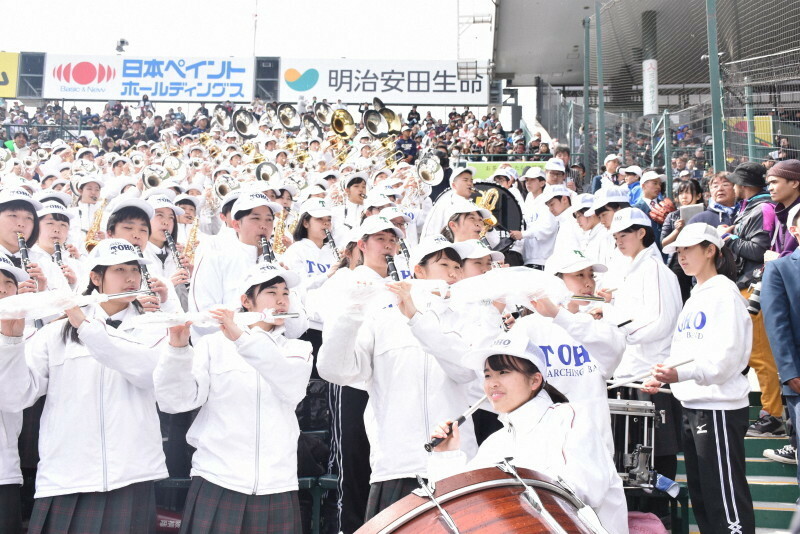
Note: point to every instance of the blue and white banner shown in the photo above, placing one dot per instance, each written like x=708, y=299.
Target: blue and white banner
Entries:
x=394, y=82
x=179, y=79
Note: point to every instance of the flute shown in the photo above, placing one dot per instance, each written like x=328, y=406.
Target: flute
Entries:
x=460, y=420
x=175, y=255
x=26, y=261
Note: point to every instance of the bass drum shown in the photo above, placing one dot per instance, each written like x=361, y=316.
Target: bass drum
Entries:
x=485, y=500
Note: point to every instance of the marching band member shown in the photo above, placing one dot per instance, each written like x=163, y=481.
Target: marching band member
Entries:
x=376, y=346
x=531, y=408
x=100, y=452
x=715, y=329
x=191, y=207
x=348, y=215
x=247, y=383
x=11, y=278
x=88, y=203
x=580, y=352
x=54, y=223
x=461, y=188
x=541, y=227
x=465, y=221
x=558, y=200
x=650, y=298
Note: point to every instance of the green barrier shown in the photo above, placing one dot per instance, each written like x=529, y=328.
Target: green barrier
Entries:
x=485, y=169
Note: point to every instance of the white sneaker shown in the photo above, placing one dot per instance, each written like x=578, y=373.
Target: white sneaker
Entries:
x=785, y=455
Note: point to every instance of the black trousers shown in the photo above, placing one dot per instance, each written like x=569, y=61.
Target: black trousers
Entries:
x=713, y=448
x=350, y=456
x=10, y=514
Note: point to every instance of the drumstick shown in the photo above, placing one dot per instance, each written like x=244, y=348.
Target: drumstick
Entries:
x=626, y=381
x=641, y=386
x=461, y=418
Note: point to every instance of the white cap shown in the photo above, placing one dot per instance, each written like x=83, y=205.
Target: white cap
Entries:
x=627, y=217
x=513, y=343
x=552, y=191
x=19, y=274
x=533, y=172
x=571, y=261
x=377, y=223
x=393, y=212
x=114, y=252
x=253, y=199
x=156, y=191
x=581, y=202
x=792, y=214
x=434, y=243
x=458, y=171
x=633, y=169
x=88, y=179
x=52, y=207
x=682, y=173
x=266, y=271
x=612, y=157
x=64, y=198
x=502, y=173
x=462, y=205
x=135, y=202
x=163, y=201
x=652, y=175
x=172, y=182
x=12, y=194
x=191, y=198
x=610, y=195
x=555, y=164
x=693, y=234
x=376, y=199
x=352, y=177
x=480, y=250
x=316, y=207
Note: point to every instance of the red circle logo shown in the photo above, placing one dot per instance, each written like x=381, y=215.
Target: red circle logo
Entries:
x=84, y=73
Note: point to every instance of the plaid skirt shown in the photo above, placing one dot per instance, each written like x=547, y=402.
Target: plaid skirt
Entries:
x=384, y=494
x=212, y=509
x=129, y=510
x=10, y=515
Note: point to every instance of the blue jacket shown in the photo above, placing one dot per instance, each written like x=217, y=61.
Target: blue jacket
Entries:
x=635, y=192
x=781, y=308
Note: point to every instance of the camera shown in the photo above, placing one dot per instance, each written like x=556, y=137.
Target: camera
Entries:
x=754, y=302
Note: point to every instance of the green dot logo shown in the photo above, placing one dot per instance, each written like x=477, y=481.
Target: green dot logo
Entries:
x=301, y=81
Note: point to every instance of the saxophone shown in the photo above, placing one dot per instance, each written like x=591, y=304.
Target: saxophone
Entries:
x=191, y=241
x=91, y=234
x=278, y=231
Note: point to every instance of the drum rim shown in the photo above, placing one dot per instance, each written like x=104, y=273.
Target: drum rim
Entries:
x=472, y=488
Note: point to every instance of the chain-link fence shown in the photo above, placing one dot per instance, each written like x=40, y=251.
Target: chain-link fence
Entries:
x=760, y=78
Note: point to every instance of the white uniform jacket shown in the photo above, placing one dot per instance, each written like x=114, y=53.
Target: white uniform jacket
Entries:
x=555, y=441
x=246, y=432
x=650, y=297
x=99, y=429
x=716, y=329
x=409, y=390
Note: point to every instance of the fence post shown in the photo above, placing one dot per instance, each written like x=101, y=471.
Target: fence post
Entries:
x=717, y=126
x=667, y=153
x=586, y=138
x=751, y=122
x=623, y=134
x=601, y=111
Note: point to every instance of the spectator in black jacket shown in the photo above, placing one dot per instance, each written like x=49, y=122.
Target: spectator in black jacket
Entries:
x=749, y=239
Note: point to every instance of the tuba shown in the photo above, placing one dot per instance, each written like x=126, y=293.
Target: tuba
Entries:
x=392, y=120
x=137, y=158
x=323, y=113
x=245, y=124
x=288, y=117
x=153, y=175
x=221, y=118
x=342, y=124
x=266, y=171
x=224, y=184
x=429, y=170
x=375, y=123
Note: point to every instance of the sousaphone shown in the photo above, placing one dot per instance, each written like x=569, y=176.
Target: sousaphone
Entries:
x=245, y=124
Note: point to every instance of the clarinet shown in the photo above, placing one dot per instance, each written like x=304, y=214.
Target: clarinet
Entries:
x=404, y=250
x=145, y=272
x=174, y=250
x=332, y=243
x=57, y=253
x=266, y=250
x=391, y=268
x=26, y=261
